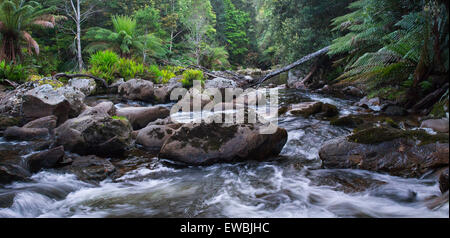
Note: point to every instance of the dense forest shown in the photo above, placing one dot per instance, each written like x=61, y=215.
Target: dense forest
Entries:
x=394, y=49
x=332, y=108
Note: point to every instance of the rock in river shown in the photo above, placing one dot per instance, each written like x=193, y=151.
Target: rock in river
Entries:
x=139, y=117
x=46, y=159
x=208, y=143
x=137, y=89
x=397, y=152
x=95, y=132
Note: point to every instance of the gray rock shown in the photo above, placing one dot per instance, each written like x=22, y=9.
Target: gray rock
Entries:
x=153, y=137
x=48, y=122
x=220, y=83
x=95, y=132
x=208, y=143
x=398, y=157
x=439, y=125
x=45, y=160
x=90, y=168
x=11, y=172
x=85, y=85
x=139, y=117
x=26, y=134
x=137, y=89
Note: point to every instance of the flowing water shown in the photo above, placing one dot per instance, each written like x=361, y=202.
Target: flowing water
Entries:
x=290, y=185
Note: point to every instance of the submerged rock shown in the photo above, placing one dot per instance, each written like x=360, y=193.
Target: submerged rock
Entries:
x=387, y=150
x=208, y=143
x=95, y=132
x=139, y=117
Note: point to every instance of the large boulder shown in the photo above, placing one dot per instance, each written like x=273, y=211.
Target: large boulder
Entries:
x=139, y=117
x=153, y=137
x=95, y=132
x=85, y=85
x=137, y=89
x=26, y=134
x=220, y=83
x=397, y=152
x=207, y=143
x=438, y=125
x=44, y=101
x=45, y=159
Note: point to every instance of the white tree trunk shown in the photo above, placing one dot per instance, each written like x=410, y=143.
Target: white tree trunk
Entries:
x=78, y=35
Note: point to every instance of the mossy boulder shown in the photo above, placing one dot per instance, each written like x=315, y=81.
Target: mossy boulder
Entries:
x=95, y=132
x=347, y=121
x=382, y=134
x=397, y=152
x=208, y=143
x=153, y=137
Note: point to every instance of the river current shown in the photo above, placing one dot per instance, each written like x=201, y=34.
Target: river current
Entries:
x=289, y=185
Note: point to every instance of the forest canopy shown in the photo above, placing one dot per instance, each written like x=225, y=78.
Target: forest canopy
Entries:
x=393, y=48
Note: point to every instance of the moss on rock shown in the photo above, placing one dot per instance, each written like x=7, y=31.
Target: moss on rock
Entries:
x=381, y=134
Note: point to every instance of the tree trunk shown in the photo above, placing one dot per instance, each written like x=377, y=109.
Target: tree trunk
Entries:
x=291, y=66
x=78, y=22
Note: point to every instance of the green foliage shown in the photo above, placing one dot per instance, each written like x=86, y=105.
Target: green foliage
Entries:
x=14, y=72
x=166, y=76
x=153, y=73
x=392, y=43
x=215, y=58
x=104, y=65
x=16, y=18
x=190, y=75
x=124, y=39
x=128, y=68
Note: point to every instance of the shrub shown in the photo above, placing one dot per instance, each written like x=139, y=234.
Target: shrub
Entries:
x=190, y=75
x=153, y=73
x=128, y=68
x=15, y=73
x=104, y=65
x=166, y=76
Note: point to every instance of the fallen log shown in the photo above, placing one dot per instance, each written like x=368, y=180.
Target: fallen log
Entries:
x=291, y=66
x=70, y=76
x=428, y=101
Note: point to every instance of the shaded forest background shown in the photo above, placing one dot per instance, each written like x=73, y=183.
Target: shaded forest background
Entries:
x=395, y=49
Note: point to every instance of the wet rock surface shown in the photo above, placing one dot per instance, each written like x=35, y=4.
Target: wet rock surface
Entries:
x=388, y=152
x=208, y=143
x=140, y=117
x=95, y=132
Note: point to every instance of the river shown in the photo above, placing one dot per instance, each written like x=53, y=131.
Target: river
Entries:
x=290, y=185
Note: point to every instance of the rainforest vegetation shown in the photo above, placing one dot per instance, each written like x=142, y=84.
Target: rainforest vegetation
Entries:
x=394, y=49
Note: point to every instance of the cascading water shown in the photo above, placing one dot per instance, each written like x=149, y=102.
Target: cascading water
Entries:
x=290, y=185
